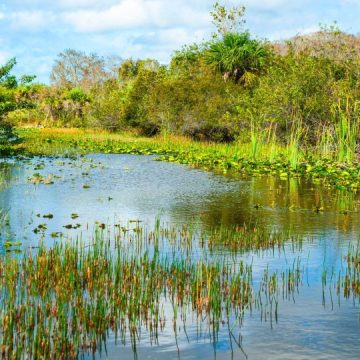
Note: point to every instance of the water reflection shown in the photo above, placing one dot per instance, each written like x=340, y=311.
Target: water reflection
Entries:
x=113, y=188
x=110, y=187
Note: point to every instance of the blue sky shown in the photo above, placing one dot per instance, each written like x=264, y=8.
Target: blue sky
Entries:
x=35, y=31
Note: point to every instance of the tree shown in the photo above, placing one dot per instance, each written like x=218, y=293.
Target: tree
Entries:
x=75, y=68
x=10, y=98
x=237, y=56
x=228, y=20
x=130, y=68
x=6, y=79
x=187, y=59
x=232, y=51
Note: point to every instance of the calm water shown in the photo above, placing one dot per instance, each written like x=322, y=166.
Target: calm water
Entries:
x=117, y=188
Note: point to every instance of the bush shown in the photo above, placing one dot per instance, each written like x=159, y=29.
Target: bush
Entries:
x=204, y=131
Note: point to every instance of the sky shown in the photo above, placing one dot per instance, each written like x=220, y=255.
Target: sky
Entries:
x=35, y=31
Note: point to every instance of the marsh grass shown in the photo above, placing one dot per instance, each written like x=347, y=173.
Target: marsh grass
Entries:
x=272, y=158
x=349, y=281
x=62, y=301
x=346, y=130
x=294, y=152
x=326, y=143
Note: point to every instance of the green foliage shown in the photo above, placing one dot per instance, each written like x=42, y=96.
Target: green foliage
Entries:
x=299, y=95
x=27, y=79
x=236, y=55
x=299, y=89
x=105, y=107
x=7, y=100
x=12, y=97
x=129, y=69
x=6, y=79
x=271, y=159
x=77, y=95
x=347, y=129
x=197, y=105
x=137, y=91
x=187, y=59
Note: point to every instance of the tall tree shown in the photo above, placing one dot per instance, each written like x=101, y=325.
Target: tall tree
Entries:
x=232, y=51
x=74, y=68
x=10, y=100
x=237, y=56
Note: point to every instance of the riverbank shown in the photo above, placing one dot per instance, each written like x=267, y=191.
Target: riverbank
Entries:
x=251, y=159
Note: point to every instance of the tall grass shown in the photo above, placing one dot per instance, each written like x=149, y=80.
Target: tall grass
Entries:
x=273, y=149
x=263, y=154
x=347, y=128
x=326, y=143
x=294, y=153
x=61, y=302
x=257, y=137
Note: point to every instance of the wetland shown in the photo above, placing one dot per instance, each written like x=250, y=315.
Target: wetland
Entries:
x=109, y=254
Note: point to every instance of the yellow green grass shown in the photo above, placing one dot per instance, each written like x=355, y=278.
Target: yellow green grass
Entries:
x=270, y=158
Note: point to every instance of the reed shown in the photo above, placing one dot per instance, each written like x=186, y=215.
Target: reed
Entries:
x=261, y=156
x=346, y=130
x=61, y=302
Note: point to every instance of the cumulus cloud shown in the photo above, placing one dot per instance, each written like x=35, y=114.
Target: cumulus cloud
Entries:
x=31, y=20
x=265, y=5
x=37, y=30
x=137, y=13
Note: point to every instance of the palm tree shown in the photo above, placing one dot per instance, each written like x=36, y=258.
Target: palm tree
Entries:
x=237, y=56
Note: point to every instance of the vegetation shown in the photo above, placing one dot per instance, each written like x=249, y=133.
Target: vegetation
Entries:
x=14, y=95
x=302, y=93
x=245, y=159
x=61, y=302
x=232, y=103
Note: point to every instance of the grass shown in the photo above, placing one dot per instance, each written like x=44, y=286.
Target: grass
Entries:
x=346, y=131
x=271, y=158
x=61, y=302
x=349, y=282
x=345, y=281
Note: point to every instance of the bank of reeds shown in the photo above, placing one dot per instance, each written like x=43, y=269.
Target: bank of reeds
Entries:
x=61, y=302
x=264, y=156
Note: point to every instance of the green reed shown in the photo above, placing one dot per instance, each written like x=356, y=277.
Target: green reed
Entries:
x=61, y=302
x=272, y=157
x=346, y=130
x=349, y=282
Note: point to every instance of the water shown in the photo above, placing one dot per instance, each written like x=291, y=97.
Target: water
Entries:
x=117, y=188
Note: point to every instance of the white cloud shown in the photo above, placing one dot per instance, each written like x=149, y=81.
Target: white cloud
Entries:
x=136, y=13
x=160, y=45
x=275, y=5
x=126, y=14
x=36, y=30
x=31, y=20
x=143, y=43
x=181, y=36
